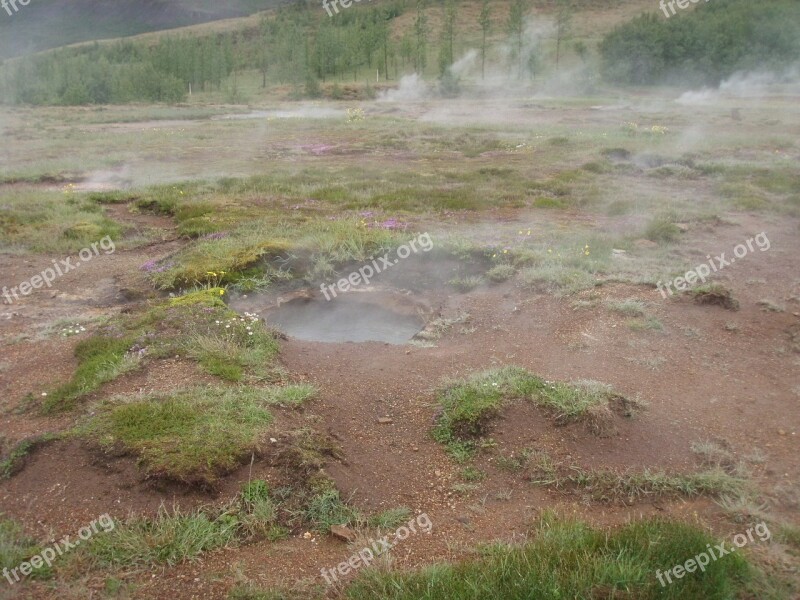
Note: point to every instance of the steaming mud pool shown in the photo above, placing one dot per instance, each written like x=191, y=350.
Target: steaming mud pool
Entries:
x=357, y=317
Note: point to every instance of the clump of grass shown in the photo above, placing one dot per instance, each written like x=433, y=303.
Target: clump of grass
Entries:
x=16, y=457
x=770, y=306
x=789, y=535
x=100, y=359
x=716, y=294
x=608, y=485
x=470, y=474
x=468, y=406
x=662, y=230
x=514, y=462
x=327, y=508
x=192, y=436
x=467, y=283
x=16, y=547
x=293, y=396
x=648, y=324
x=440, y=326
x=233, y=347
x=553, y=276
x=259, y=511
x=567, y=558
x=715, y=454
x=629, y=308
x=390, y=519
x=52, y=222
x=169, y=539
x=500, y=273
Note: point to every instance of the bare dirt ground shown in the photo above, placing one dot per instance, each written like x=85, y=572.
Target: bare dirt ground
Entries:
x=711, y=374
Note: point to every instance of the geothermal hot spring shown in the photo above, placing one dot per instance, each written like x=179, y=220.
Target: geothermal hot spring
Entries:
x=392, y=317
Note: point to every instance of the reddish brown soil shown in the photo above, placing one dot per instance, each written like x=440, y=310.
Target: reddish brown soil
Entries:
x=702, y=377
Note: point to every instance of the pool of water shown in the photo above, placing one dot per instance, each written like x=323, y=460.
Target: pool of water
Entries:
x=348, y=318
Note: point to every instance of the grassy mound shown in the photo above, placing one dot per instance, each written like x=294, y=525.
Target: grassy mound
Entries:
x=193, y=436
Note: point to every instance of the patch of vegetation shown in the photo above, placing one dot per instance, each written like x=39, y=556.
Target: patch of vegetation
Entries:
x=467, y=283
x=608, y=485
x=648, y=324
x=438, y=327
x=770, y=306
x=500, y=273
x=232, y=347
x=566, y=558
x=468, y=406
x=169, y=539
x=52, y=222
x=14, y=460
x=716, y=294
x=16, y=547
x=628, y=308
x=718, y=40
x=390, y=519
x=662, y=230
x=192, y=436
x=100, y=359
x=514, y=463
x=553, y=276
x=327, y=508
x=197, y=324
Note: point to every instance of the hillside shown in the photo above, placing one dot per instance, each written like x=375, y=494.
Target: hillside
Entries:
x=45, y=24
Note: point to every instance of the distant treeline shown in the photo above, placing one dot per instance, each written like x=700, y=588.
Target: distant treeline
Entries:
x=705, y=45
x=302, y=46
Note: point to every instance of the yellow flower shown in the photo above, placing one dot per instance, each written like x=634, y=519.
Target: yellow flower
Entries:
x=221, y=292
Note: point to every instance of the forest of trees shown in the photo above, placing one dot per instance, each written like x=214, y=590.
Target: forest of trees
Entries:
x=705, y=46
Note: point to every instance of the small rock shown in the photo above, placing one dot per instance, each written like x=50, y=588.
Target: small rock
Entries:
x=437, y=473
x=781, y=432
x=273, y=440
x=385, y=420
x=307, y=535
x=343, y=533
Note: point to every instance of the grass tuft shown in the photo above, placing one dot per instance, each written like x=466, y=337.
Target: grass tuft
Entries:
x=192, y=436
